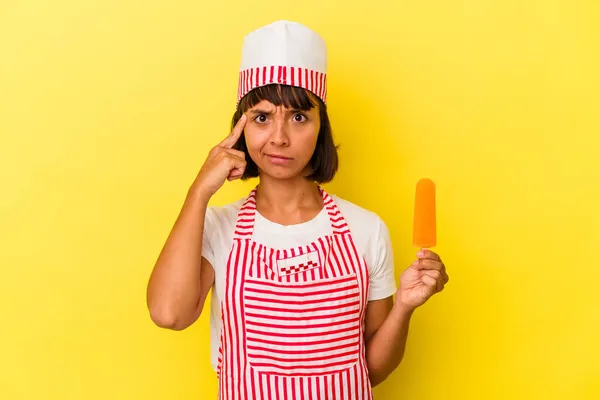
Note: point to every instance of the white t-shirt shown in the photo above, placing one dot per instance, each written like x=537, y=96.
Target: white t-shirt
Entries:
x=367, y=229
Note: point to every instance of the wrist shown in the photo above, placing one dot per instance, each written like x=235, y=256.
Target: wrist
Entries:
x=198, y=194
x=402, y=311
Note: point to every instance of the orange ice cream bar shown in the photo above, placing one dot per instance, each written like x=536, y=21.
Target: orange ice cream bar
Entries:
x=424, y=223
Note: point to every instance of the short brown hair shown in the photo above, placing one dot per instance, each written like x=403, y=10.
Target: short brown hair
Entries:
x=324, y=161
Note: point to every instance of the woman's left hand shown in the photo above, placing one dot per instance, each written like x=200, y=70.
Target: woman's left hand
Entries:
x=421, y=280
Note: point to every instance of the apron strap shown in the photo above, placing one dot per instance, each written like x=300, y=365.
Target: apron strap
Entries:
x=244, y=226
x=339, y=226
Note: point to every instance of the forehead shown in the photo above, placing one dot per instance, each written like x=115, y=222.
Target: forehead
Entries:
x=266, y=105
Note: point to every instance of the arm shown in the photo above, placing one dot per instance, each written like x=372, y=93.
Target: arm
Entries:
x=386, y=332
x=387, y=321
x=181, y=278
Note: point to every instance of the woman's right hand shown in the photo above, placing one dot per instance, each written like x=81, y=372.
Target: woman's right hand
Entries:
x=223, y=162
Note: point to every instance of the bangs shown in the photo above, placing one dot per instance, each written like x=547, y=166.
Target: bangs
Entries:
x=291, y=97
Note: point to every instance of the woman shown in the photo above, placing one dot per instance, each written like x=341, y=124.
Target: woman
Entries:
x=303, y=281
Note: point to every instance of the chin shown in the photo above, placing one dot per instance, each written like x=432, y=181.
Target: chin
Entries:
x=282, y=173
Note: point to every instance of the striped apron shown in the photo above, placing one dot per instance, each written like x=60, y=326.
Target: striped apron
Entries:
x=293, y=319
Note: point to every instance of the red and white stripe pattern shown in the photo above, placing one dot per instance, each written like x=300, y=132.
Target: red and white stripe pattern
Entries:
x=311, y=80
x=297, y=336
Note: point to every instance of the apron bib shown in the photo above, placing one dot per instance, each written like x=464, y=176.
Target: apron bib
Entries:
x=293, y=319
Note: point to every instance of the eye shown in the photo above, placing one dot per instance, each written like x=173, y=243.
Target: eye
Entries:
x=300, y=117
x=261, y=118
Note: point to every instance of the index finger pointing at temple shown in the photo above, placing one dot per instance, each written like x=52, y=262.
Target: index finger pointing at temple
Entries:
x=235, y=134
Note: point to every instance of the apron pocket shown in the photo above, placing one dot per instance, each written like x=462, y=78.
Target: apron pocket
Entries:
x=302, y=329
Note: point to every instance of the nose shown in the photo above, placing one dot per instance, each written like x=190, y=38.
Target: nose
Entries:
x=279, y=136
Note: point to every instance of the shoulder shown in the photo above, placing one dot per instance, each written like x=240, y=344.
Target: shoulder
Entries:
x=366, y=226
x=226, y=211
x=222, y=218
x=373, y=239
x=361, y=221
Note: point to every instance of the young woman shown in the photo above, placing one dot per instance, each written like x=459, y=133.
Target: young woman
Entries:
x=302, y=281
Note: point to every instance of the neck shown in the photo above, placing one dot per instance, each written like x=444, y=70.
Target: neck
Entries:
x=288, y=201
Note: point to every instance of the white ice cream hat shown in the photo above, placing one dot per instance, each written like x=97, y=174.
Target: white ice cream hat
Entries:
x=287, y=53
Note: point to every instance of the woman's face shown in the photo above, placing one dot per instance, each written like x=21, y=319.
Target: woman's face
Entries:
x=281, y=141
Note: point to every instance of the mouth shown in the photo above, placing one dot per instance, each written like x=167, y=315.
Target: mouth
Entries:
x=278, y=158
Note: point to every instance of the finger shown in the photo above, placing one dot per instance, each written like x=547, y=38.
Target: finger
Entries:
x=236, y=173
x=237, y=153
x=235, y=134
x=445, y=277
x=429, y=281
x=428, y=254
x=226, y=152
x=237, y=167
x=235, y=162
x=429, y=264
x=437, y=275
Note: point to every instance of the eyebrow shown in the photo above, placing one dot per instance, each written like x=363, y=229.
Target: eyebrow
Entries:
x=261, y=111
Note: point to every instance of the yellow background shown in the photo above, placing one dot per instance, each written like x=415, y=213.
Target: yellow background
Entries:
x=107, y=111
